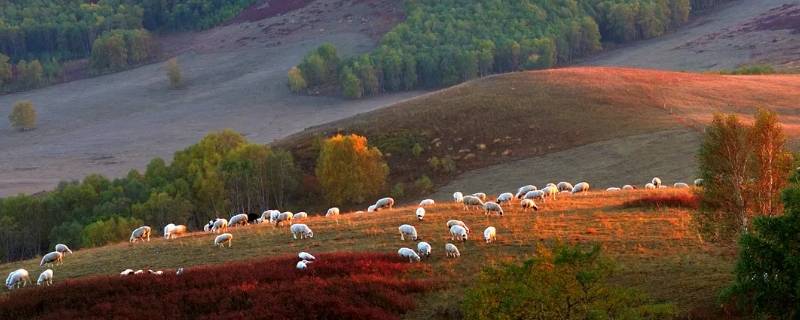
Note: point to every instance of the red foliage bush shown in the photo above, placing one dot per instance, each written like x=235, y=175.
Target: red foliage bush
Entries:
x=673, y=200
x=336, y=286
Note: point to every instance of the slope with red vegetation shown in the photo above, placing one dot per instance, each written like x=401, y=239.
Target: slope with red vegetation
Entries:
x=336, y=286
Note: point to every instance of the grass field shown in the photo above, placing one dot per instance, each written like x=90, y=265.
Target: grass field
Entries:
x=657, y=249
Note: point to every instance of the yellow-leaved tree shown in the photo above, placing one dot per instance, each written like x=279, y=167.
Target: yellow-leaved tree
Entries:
x=349, y=171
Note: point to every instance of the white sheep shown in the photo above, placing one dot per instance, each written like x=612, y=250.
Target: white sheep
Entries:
x=407, y=230
x=451, y=250
x=140, y=233
x=628, y=187
x=239, y=219
x=613, y=189
x=480, y=195
x=427, y=203
x=551, y=191
x=126, y=272
x=157, y=273
x=140, y=271
x=300, y=215
x=302, y=264
x=284, y=217
x=219, y=225
x=490, y=234
x=458, y=233
x=332, y=212
x=472, y=202
x=180, y=271
x=529, y=204
x=306, y=256
x=420, y=213
x=451, y=223
x=680, y=185
x=52, y=258
x=656, y=182
x=698, y=182
x=524, y=190
x=564, y=186
x=172, y=231
x=302, y=230
x=649, y=186
x=535, y=194
x=492, y=207
x=371, y=208
x=458, y=197
x=222, y=239
x=384, y=203
x=63, y=248
x=424, y=248
x=17, y=279
x=408, y=254
x=269, y=215
x=46, y=278
x=505, y=197
x=581, y=187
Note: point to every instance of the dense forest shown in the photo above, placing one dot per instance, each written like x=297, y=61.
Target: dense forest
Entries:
x=444, y=42
x=47, y=33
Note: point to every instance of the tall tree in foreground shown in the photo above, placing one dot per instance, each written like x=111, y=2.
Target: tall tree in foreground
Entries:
x=744, y=168
x=349, y=171
x=23, y=116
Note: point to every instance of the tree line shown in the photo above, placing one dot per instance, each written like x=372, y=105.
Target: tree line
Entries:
x=223, y=173
x=445, y=42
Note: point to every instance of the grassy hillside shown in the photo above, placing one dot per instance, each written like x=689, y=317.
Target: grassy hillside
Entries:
x=521, y=115
x=657, y=249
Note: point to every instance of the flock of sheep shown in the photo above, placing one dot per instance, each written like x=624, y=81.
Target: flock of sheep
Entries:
x=527, y=196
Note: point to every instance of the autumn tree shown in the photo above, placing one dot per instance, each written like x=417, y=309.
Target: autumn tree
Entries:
x=744, y=168
x=29, y=74
x=296, y=81
x=349, y=171
x=174, y=73
x=23, y=116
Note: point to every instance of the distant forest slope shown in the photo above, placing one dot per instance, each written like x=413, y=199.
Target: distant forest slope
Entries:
x=442, y=43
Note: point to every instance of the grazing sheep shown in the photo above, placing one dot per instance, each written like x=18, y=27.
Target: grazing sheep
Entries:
x=157, y=273
x=284, y=217
x=239, y=219
x=219, y=225
x=384, y=203
x=371, y=208
x=207, y=227
x=656, y=182
x=172, y=231
x=300, y=215
x=649, y=186
x=451, y=223
x=458, y=233
x=332, y=212
x=179, y=272
x=17, y=279
x=613, y=189
x=564, y=186
x=63, y=248
x=46, y=278
x=52, y=258
x=581, y=187
x=302, y=264
x=472, y=202
x=408, y=254
x=535, y=194
x=522, y=191
x=269, y=215
x=551, y=191
x=680, y=185
x=140, y=271
x=480, y=195
x=490, y=234
x=451, y=250
x=222, y=239
x=505, y=197
x=140, y=233
x=424, y=249
x=420, y=213
x=427, y=203
x=301, y=229
x=492, y=207
x=127, y=272
x=529, y=204
x=407, y=230
x=698, y=182
x=628, y=187
x=306, y=256
x=458, y=197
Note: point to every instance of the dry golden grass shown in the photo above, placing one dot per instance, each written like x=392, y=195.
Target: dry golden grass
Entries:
x=657, y=249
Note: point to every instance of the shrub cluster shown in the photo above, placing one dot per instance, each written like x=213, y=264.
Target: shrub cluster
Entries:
x=674, y=200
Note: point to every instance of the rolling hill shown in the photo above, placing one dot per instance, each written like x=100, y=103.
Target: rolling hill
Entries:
x=656, y=248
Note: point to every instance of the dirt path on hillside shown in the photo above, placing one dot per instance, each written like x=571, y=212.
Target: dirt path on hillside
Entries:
x=235, y=76
x=736, y=33
x=630, y=160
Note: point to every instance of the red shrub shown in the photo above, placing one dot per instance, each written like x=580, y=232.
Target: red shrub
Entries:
x=671, y=200
x=336, y=286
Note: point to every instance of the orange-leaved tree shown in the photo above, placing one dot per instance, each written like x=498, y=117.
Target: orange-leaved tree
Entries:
x=349, y=171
